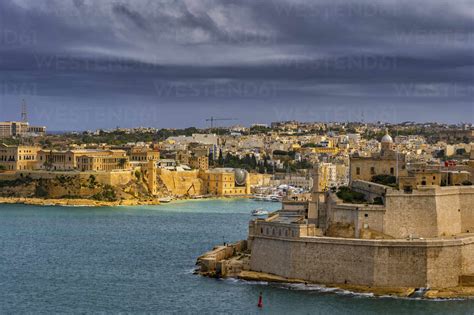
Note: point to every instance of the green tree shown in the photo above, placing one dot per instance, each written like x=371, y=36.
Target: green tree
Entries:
x=122, y=162
x=221, y=158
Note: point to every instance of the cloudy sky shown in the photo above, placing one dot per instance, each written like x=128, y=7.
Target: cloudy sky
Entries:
x=86, y=64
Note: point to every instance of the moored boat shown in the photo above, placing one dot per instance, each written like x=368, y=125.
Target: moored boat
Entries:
x=259, y=212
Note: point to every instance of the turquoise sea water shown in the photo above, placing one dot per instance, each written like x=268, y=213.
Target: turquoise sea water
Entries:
x=140, y=260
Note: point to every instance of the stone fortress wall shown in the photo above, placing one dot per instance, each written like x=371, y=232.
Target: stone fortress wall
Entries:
x=112, y=178
x=432, y=246
x=430, y=211
x=420, y=238
x=378, y=263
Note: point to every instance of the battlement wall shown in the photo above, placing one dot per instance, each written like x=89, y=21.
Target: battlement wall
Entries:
x=381, y=263
x=429, y=211
x=113, y=178
x=369, y=189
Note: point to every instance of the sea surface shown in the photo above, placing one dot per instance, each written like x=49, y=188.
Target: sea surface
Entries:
x=141, y=259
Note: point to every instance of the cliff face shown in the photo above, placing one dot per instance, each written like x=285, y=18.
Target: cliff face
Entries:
x=72, y=186
x=178, y=183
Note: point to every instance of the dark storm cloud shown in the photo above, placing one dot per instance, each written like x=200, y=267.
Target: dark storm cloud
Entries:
x=397, y=53
x=276, y=33
x=133, y=16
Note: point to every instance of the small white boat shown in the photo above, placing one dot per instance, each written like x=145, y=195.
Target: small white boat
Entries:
x=259, y=212
x=274, y=198
x=165, y=200
x=258, y=197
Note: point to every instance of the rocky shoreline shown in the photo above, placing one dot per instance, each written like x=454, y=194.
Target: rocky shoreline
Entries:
x=445, y=293
x=75, y=202
x=83, y=202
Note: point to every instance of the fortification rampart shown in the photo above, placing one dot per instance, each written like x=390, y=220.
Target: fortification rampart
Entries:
x=182, y=182
x=369, y=189
x=361, y=216
x=426, y=212
x=429, y=211
x=112, y=178
x=380, y=263
x=215, y=261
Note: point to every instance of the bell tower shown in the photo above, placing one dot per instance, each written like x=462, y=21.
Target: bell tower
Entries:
x=387, y=143
x=151, y=173
x=313, y=207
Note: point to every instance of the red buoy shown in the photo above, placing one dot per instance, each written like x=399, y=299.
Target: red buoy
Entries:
x=260, y=300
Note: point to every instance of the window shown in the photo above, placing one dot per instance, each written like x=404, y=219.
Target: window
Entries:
x=372, y=170
x=358, y=170
x=392, y=171
x=366, y=215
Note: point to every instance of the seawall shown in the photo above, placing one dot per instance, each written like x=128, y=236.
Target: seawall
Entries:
x=223, y=261
x=379, y=263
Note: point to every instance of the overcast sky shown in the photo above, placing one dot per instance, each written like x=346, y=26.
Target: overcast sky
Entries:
x=87, y=64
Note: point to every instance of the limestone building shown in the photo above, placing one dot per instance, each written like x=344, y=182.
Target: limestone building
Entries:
x=199, y=156
x=83, y=160
x=102, y=163
x=199, y=162
x=14, y=158
x=420, y=177
x=387, y=162
x=144, y=154
x=227, y=182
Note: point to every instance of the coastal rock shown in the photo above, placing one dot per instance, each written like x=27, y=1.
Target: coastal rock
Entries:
x=77, y=202
x=266, y=277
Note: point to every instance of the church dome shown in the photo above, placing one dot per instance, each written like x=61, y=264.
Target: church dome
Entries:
x=387, y=139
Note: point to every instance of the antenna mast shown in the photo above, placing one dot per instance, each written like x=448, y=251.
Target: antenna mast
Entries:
x=24, y=115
